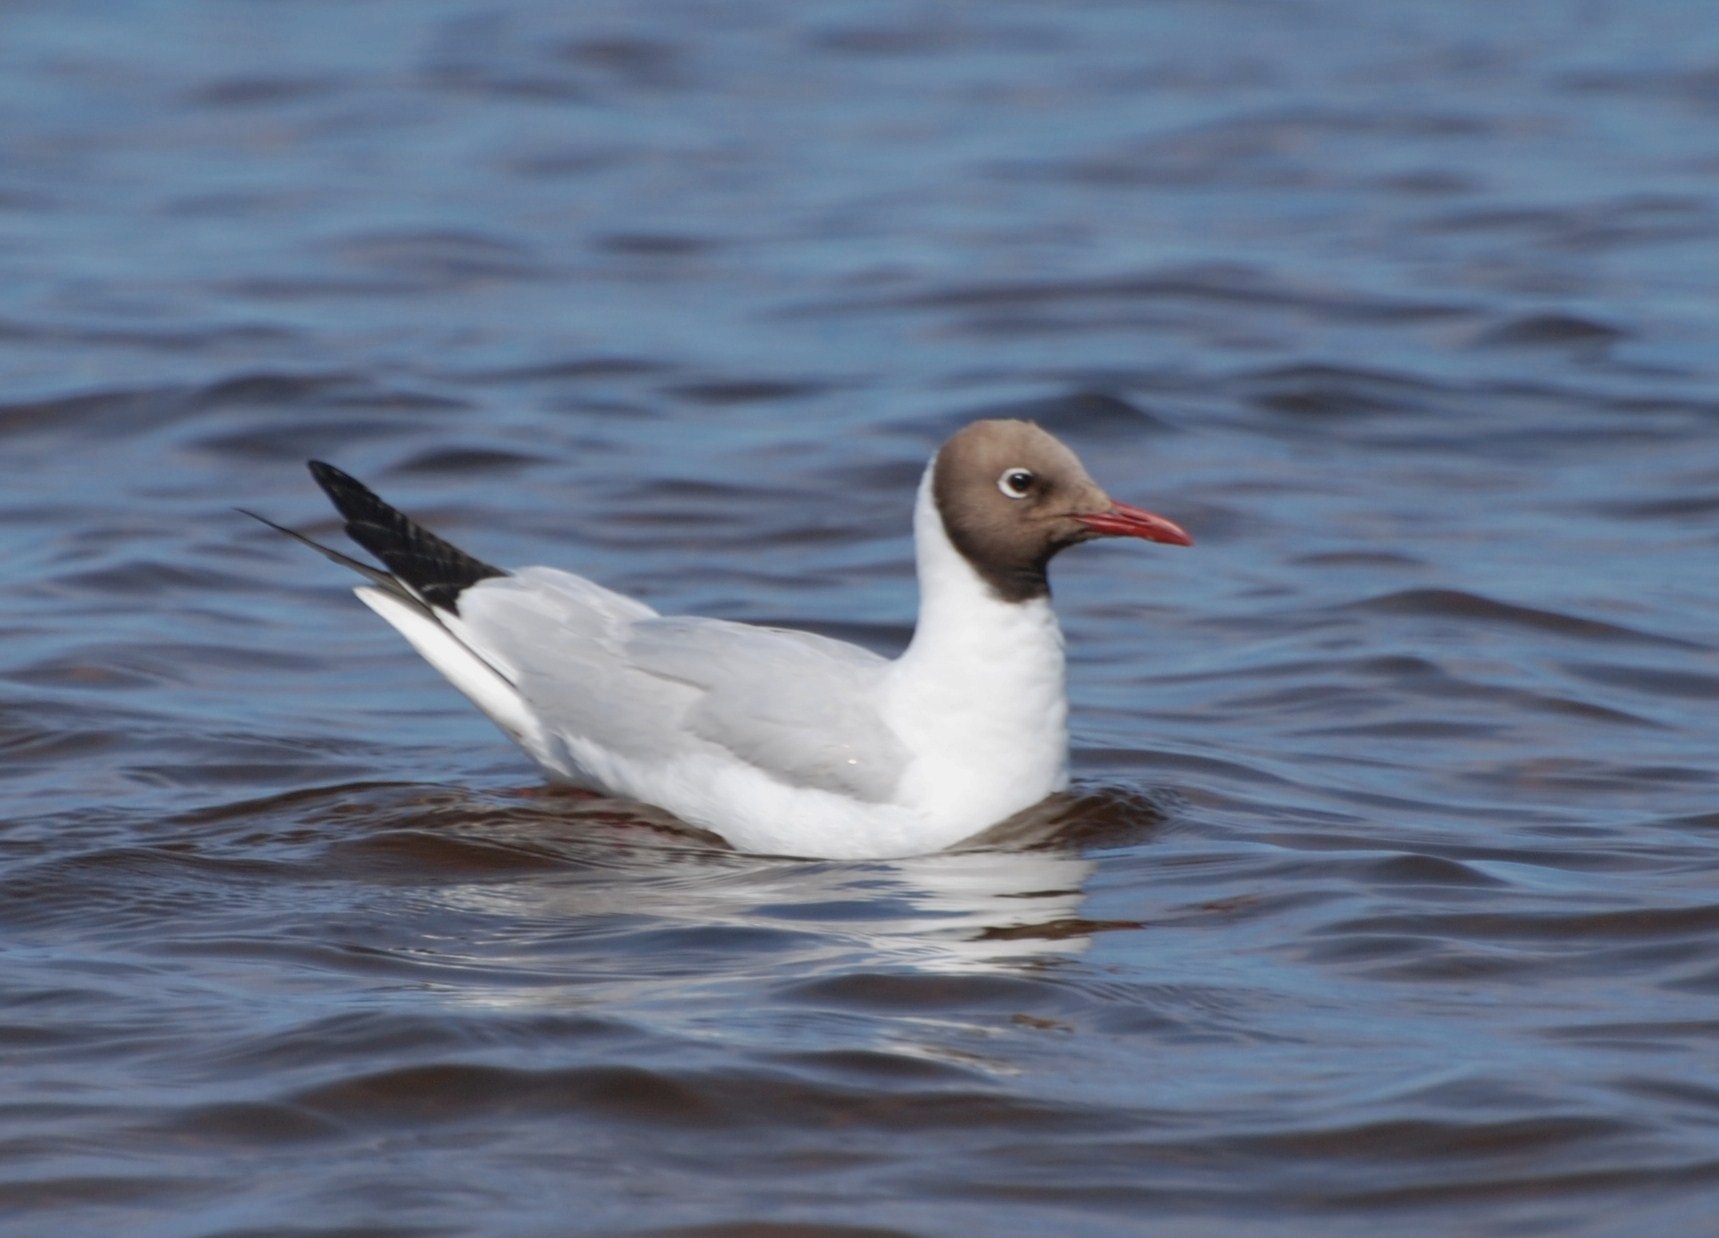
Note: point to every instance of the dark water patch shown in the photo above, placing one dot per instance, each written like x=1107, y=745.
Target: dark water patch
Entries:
x=1697, y=1098
x=1680, y=507
x=1590, y=227
x=1703, y=981
x=1564, y=775
x=638, y=61
x=321, y=434
x=213, y=337
x=380, y=1035
x=42, y=730
x=1071, y=928
x=454, y=1093
x=394, y=824
x=932, y=36
x=1524, y=1187
x=1090, y=815
x=1261, y=151
x=1446, y=1142
x=276, y=290
x=272, y=389
x=1184, y=771
x=1241, y=287
x=691, y=951
x=1669, y=1036
x=1419, y=728
x=574, y=370
x=1325, y=390
x=243, y=1124
x=439, y=259
x=460, y=461
x=1587, y=711
x=119, y=411
x=87, y=1191
x=1552, y=330
x=656, y=244
x=1464, y=606
x=477, y=56
x=569, y=161
x=1696, y=83
x=414, y=854
x=79, y=672
x=1585, y=929
x=1429, y=870
x=1428, y=183
x=723, y=392
x=260, y=91
x=130, y=889
x=1648, y=219
x=1507, y=219
x=1505, y=705
x=145, y=578
x=1186, y=1013
x=1695, y=821
x=1649, y=681
x=341, y=964
x=903, y=991
x=216, y=765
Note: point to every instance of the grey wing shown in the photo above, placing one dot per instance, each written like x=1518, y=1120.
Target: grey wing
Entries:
x=598, y=665
x=798, y=706
x=560, y=640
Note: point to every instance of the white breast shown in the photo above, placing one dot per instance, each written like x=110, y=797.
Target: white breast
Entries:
x=979, y=698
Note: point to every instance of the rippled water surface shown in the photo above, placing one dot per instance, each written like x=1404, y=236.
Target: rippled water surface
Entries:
x=1388, y=896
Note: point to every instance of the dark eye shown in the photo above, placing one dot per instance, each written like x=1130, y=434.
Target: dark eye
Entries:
x=1016, y=482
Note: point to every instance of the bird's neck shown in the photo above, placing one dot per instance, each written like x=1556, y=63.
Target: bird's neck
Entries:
x=982, y=683
x=961, y=616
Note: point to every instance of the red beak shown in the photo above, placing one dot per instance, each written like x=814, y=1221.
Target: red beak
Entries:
x=1125, y=521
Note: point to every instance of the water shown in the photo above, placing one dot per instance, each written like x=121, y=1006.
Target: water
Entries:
x=1387, y=898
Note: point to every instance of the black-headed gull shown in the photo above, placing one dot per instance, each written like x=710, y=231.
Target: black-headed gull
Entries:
x=782, y=742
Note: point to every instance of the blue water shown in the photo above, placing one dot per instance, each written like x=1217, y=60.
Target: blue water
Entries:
x=1386, y=899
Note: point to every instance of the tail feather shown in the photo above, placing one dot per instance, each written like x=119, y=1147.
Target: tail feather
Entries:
x=418, y=594
x=437, y=571
x=374, y=574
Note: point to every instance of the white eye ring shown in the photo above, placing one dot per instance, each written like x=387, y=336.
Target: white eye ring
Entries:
x=1016, y=482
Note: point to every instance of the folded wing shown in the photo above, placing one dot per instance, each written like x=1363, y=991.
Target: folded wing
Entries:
x=594, y=665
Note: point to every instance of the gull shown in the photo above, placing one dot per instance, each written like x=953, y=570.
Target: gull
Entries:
x=782, y=742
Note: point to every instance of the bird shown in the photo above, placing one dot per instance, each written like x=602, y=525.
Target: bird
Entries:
x=781, y=742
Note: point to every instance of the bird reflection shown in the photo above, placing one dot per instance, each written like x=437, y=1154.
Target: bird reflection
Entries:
x=1010, y=899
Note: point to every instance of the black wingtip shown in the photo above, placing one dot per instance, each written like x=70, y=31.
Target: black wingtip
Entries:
x=436, y=570
x=345, y=491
